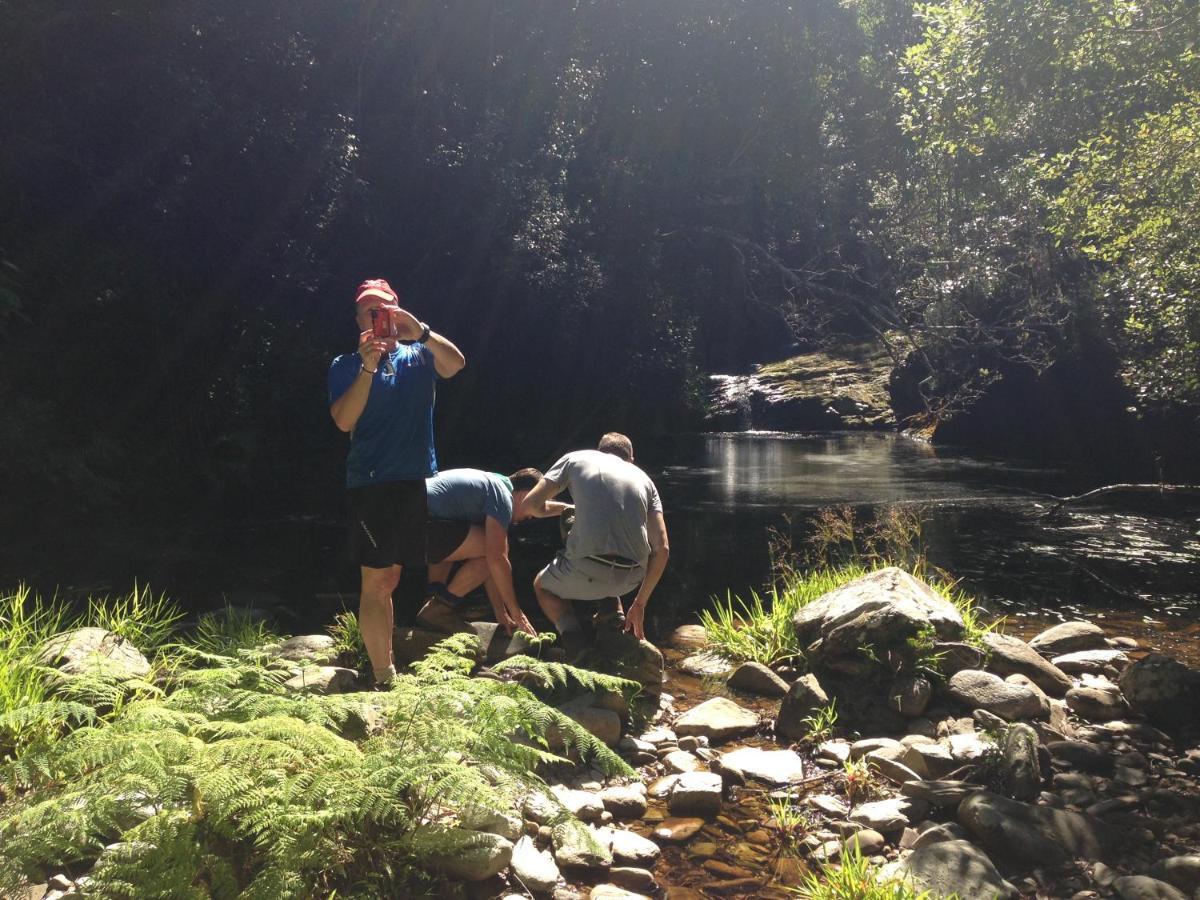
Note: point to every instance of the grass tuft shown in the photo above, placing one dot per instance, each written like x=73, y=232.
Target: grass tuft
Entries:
x=226, y=631
x=853, y=878
x=141, y=618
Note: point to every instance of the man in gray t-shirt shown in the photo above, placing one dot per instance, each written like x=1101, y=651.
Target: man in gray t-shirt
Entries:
x=618, y=542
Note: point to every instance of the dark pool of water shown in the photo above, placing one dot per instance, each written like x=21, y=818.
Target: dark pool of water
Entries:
x=1132, y=561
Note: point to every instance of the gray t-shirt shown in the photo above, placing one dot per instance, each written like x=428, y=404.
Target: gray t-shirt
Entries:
x=613, y=501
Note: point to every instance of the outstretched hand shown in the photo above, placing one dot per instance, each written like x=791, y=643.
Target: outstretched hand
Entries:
x=635, y=620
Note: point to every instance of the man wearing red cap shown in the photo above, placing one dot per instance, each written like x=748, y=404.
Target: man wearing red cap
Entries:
x=383, y=396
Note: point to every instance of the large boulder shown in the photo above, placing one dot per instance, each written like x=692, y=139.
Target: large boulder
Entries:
x=883, y=610
x=976, y=689
x=1008, y=655
x=954, y=868
x=535, y=868
x=94, y=651
x=1164, y=691
x=476, y=857
x=618, y=652
x=1034, y=834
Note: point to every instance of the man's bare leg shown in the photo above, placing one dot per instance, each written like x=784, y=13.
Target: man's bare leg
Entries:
x=376, y=618
x=439, y=572
x=562, y=613
x=470, y=575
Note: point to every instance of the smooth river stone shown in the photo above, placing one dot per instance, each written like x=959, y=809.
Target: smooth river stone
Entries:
x=676, y=830
x=718, y=720
x=775, y=767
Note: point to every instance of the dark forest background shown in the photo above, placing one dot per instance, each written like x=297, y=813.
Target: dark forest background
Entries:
x=600, y=202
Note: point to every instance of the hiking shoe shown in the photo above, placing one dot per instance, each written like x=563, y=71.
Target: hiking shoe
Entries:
x=438, y=615
x=573, y=643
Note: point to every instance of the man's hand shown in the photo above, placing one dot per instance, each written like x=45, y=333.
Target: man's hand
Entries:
x=370, y=349
x=520, y=622
x=635, y=620
x=408, y=328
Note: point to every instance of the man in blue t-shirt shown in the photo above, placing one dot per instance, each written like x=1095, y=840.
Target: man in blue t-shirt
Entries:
x=383, y=395
x=470, y=512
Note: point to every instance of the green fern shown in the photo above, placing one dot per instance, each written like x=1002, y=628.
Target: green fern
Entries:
x=222, y=784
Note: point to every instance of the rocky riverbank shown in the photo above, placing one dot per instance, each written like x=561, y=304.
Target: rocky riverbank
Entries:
x=1065, y=766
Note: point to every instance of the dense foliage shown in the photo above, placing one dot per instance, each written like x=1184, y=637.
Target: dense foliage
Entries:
x=600, y=201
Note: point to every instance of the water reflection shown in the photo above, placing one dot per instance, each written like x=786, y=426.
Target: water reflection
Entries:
x=982, y=523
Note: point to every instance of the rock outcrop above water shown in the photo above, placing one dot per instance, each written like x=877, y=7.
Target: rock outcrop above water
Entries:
x=845, y=386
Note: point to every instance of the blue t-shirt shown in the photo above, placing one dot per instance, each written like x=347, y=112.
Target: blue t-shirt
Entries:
x=393, y=438
x=469, y=495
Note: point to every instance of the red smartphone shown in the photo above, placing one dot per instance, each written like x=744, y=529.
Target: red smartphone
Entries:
x=382, y=323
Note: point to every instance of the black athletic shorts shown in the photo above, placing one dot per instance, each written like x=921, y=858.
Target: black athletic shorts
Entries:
x=443, y=537
x=386, y=524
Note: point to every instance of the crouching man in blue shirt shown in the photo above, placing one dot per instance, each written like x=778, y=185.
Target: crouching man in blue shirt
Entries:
x=470, y=512
x=383, y=396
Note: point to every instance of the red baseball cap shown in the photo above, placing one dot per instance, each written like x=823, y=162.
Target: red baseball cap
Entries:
x=375, y=287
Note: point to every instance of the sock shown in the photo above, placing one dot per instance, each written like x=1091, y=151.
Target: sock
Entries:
x=568, y=622
x=443, y=593
x=386, y=676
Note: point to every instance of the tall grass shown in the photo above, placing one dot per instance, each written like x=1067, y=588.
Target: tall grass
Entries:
x=27, y=622
x=226, y=631
x=146, y=621
x=855, y=879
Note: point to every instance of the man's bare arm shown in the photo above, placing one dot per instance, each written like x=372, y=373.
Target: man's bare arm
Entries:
x=660, y=552
x=537, y=501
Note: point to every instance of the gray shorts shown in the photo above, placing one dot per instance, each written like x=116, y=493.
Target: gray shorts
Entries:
x=588, y=579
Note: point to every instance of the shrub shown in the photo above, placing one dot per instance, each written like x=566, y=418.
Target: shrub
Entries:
x=27, y=622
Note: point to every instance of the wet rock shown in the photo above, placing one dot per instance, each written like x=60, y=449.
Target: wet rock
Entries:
x=535, y=868
x=717, y=719
x=1068, y=638
x=755, y=678
x=910, y=695
x=1091, y=758
x=986, y=721
x=1181, y=871
x=323, y=680
x=94, y=651
x=1164, y=691
x=680, y=761
x=662, y=787
x=629, y=849
x=695, y=794
x=633, y=879
x=625, y=801
x=775, y=767
x=976, y=689
x=1033, y=834
x=803, y=699
x=478, y=857
x=578, y=847
x=676, y=830
x=731, y=775
x=968, y=747
x=883, y=609
x=1008, y=655
x=1142, y=887
x=1093, y=662
x=688, y=637
x=834, y=751
x=1019, y=758
x=492, y=821
x=706, y=665
x=1096, y=705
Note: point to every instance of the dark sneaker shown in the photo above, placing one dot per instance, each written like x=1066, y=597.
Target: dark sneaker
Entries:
x=573, y=644
x=438, y=615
